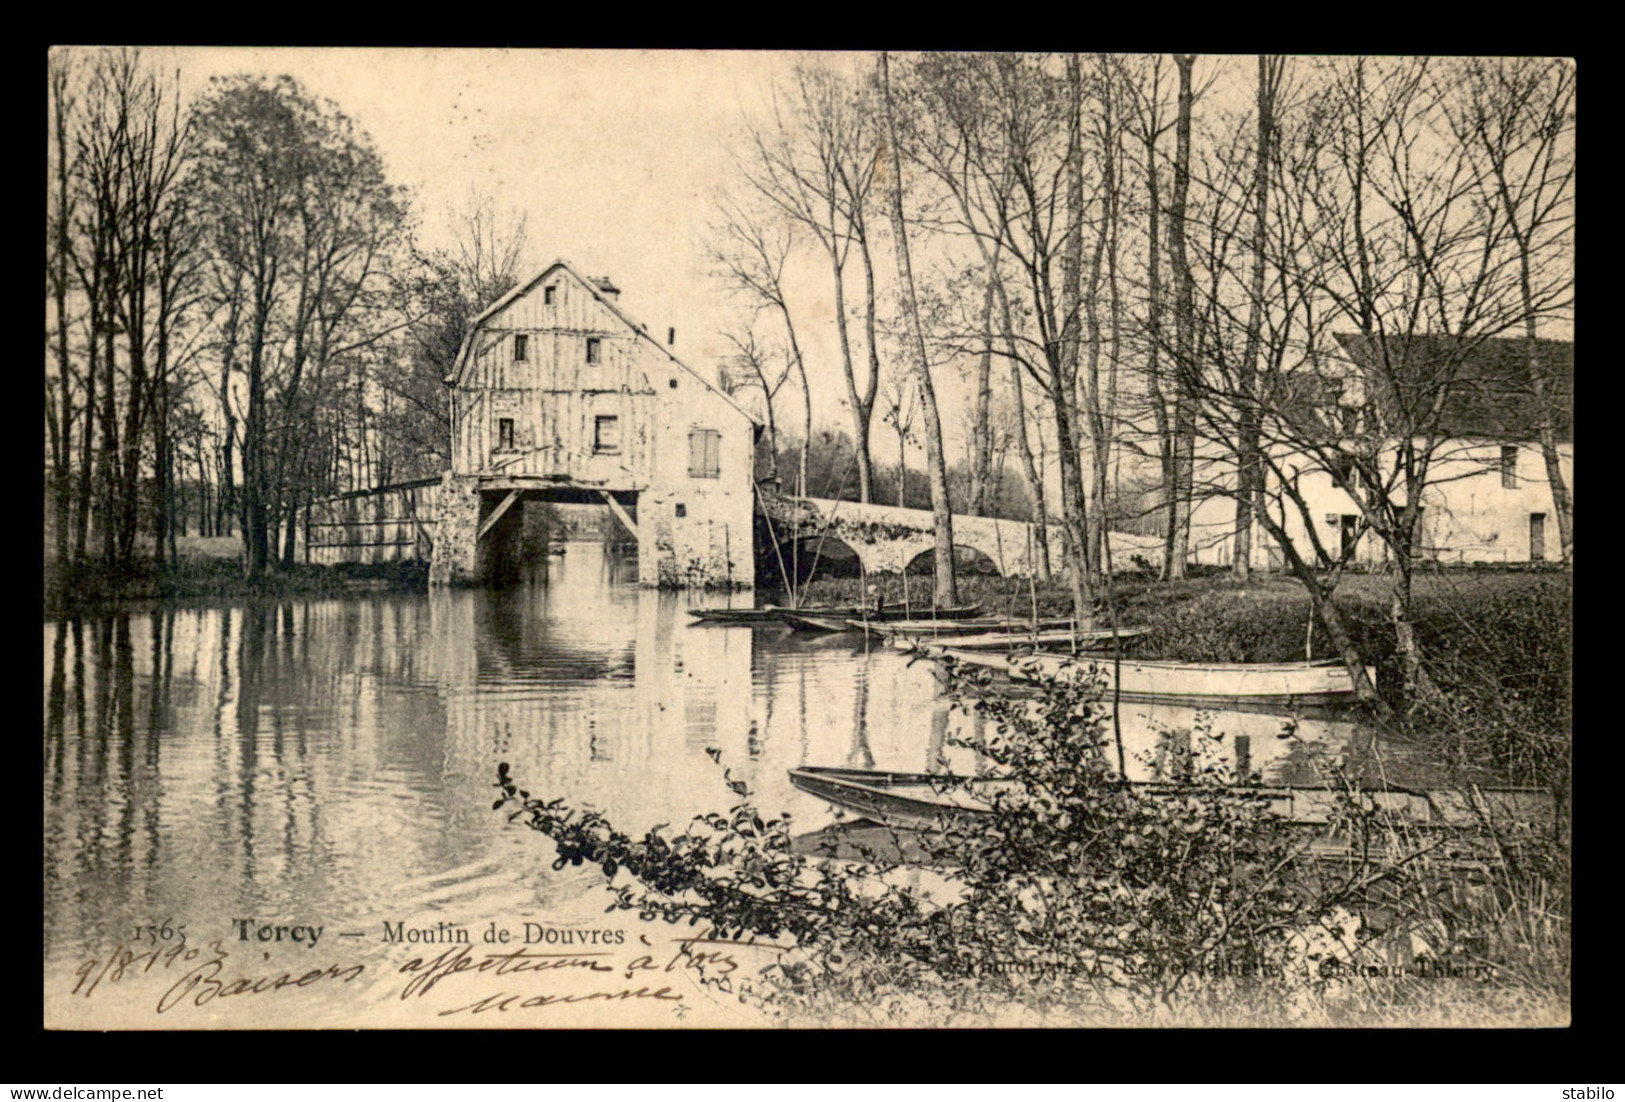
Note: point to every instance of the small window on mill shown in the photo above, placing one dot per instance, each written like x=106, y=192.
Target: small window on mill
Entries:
x=595, y=350
x=1509, y=466
x=704, y=453
x=682, y=510
x=548, y=294
x=521, y=345
x=505, y=433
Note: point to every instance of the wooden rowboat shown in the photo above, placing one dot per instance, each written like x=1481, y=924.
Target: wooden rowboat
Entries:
x=911, y=801
x=1202, y=684
x=1010, y=641
x=927, y=628
x=936, y=801
x=806, y=618
x=735, y=615
x=844, y=619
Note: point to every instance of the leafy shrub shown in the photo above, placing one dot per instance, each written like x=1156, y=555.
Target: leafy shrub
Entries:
x=1076, y=895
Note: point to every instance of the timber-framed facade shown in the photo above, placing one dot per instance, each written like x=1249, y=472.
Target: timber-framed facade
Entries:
x=558, y=395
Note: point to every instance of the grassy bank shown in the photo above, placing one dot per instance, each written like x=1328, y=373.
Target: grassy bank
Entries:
x=205, y=576
x=1508, y=632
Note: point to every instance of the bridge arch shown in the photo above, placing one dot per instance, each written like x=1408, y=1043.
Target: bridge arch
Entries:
x=887, y=539
x=967, y=560
x=822, y=555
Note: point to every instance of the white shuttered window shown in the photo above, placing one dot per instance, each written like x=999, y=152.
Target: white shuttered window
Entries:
x=704, y=453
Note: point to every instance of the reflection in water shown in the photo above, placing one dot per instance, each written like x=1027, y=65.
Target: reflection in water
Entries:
x=332, y=761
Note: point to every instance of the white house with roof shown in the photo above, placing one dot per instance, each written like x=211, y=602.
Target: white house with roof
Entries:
x=1488, y=496
x=557, y=394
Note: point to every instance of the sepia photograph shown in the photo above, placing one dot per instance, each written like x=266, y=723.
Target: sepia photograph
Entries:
x=693, y=539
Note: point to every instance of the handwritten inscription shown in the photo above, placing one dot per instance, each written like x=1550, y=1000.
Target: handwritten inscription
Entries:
x=204, y=978
x=193, y=975
x=502, y=1001
x=426, y=973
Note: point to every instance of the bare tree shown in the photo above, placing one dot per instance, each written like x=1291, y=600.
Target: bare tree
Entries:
x=1001, y=133
x=61, y=414
x=1250, y=471
x=1177, y=548
x=1387, y=279
x=444, y=292
x=760, y=374
x=817, y=168
x=898, y=409
x=749, y=255
x=1514, y=117
x=945, y=593
x=299, y=217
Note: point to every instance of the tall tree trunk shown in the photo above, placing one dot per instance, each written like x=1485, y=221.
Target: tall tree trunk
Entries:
x=255, y=490
x=806, y=399
x=110, y=474
x=87, y=482
x=1153, y=375
x=1029, y=474
x=1184, y=336
x=1104, y=465
x=1562, y=498
x=1094, y=423
x=226, y=501
x=981, y=427
x=62, y=436
x=1249, y=469
x=869, y=326
x=902, y=467
x=860, y=414
x=1063, y=361
x=945, y=592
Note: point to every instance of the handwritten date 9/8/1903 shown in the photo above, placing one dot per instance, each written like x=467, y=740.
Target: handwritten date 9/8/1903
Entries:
x=201, y=982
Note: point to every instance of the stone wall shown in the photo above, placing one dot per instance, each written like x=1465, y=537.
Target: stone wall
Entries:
x=455, y=562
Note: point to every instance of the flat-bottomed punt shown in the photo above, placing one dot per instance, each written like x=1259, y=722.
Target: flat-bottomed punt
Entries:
x=1013, y=641
x=939, y=801
x=735, y=615
x=1201, y=684
x=844, y=619
x=927, y=628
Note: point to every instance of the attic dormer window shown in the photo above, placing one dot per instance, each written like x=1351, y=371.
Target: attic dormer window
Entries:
x=1342, y=469
x=521, y=345
x=595, y=350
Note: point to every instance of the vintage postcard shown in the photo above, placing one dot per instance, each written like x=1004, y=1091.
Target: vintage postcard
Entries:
x=670, y=539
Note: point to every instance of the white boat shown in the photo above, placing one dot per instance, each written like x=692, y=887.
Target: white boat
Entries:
x=1208, y=684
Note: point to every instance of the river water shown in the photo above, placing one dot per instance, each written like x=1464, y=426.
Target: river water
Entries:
x=330, y=763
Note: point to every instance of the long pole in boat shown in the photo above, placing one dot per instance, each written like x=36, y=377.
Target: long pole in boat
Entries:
x=773, y=536
x=823, y=532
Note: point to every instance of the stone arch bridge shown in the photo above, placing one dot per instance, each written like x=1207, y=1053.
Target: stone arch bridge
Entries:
x=887, y=538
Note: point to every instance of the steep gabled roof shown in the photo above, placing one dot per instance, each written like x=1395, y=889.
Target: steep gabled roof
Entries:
x=597, y=288
x=1490, y=393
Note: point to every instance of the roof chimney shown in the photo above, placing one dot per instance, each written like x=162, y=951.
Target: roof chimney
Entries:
x=671, y=336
